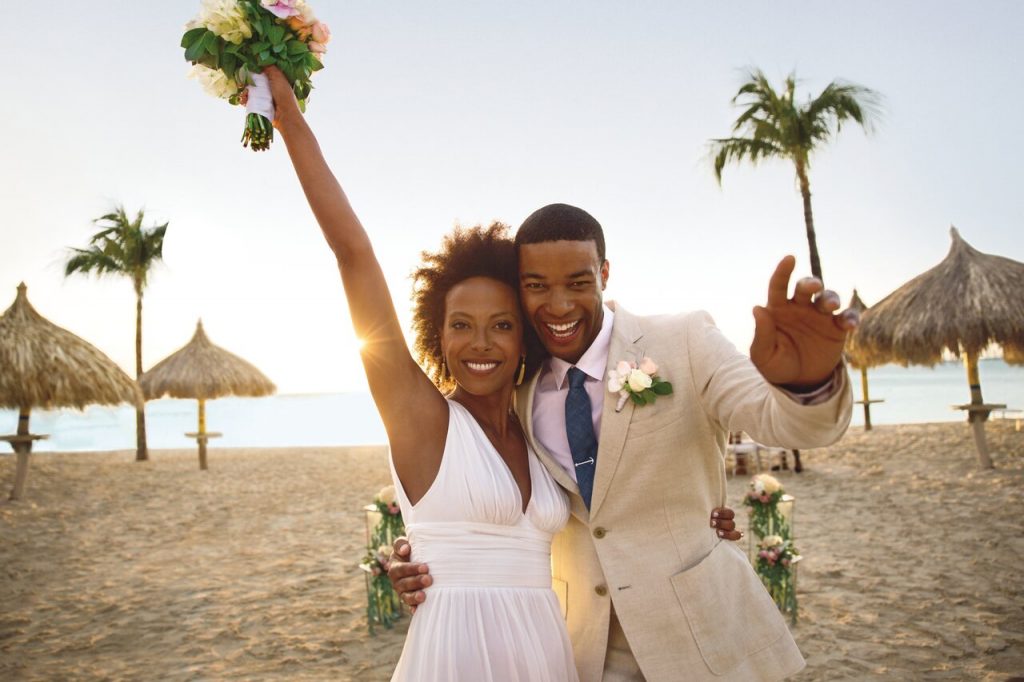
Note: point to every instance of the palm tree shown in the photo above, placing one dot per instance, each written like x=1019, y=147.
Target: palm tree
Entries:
x=773, y=125
x=124, y=247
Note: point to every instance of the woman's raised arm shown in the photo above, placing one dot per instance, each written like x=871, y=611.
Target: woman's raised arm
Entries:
x=408, y=402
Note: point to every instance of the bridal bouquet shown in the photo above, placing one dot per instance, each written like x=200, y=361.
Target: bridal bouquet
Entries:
x=230, y=42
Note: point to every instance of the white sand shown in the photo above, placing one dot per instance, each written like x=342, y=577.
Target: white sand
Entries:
x=112, y=569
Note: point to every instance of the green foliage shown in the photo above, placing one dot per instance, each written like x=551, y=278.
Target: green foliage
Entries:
x=774, y=125
x=776, y=559
x=122, y=247
x=661, y=387
x=273, y=44
x=383, y=606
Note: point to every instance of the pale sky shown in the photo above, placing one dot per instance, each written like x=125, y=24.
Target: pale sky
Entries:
x=437, y=113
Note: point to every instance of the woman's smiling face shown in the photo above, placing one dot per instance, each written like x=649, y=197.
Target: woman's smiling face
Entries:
x=482, y=339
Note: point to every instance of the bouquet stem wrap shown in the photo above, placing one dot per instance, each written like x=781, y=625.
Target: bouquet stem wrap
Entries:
x=259, y=108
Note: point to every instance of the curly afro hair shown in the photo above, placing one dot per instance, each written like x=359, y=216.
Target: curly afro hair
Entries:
x=465, y=253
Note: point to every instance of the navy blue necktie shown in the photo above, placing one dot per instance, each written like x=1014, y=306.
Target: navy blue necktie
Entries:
x=579, y=427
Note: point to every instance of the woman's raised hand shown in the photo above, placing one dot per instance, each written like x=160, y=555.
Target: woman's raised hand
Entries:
x=286, y=107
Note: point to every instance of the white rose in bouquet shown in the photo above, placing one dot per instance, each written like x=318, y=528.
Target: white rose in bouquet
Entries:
x=225, y=18
x=214, y=82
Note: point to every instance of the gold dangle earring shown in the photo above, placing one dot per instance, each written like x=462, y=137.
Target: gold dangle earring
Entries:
x=522, y=371
x=444, y=370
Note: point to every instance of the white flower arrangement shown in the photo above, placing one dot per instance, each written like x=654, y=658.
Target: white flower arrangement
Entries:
x=638, y=382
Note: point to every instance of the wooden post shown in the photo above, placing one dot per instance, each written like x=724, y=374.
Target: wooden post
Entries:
x=867, y=400
x=202, y=434
x=23, y=448
x=977, y=417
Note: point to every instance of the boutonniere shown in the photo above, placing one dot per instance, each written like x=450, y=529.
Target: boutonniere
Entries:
x=639, y=383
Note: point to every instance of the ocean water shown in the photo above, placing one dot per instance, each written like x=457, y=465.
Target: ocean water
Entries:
x=922, y=394
x=912, y=395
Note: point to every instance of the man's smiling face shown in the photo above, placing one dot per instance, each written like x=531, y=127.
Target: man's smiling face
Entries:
x=561, y=285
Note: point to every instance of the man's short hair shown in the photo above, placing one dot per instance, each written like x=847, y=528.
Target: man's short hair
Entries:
x=558, y=222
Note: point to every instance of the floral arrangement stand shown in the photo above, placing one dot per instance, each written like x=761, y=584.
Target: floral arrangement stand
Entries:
x=774, y=555
x=383, y=525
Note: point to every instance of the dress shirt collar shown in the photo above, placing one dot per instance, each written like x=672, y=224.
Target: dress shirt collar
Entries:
x=595, y=358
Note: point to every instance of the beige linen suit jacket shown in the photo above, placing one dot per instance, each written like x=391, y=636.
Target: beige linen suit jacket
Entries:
x=690, y=604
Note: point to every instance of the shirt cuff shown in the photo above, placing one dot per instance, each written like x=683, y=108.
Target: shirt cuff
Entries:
x=819, y=395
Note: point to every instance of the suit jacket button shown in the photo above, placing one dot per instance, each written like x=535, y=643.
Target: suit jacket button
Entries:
x=600, y=532
x=601, y=590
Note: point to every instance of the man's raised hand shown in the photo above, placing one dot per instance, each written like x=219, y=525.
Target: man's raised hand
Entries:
x=798, y=340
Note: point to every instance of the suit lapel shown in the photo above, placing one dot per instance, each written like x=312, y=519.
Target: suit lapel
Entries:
x=614, y=425
x=524, y=408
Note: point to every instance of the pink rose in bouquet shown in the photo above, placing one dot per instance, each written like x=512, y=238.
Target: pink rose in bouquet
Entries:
x=282, y=9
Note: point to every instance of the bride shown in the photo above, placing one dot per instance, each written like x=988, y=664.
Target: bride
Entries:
x=478, y=505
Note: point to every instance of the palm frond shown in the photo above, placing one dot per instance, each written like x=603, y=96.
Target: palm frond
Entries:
x=736, y=149
x=121, y=246
x=839, y=102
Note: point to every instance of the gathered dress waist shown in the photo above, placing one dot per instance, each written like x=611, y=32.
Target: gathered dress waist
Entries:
x=468, y=554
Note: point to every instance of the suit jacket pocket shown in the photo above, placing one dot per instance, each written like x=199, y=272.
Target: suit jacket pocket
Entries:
x=561, y=589
x=729, y=612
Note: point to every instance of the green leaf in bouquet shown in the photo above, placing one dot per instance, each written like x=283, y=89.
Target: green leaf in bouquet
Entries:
x=279, y=48
x=192, y=35
x=297, y=47
x=196, y=49
x=276, y=34
x=317, y=64
x=210, y=43
x=302, y=105
x=265, y=59
x=260, y=46
x=211, y=61
x=637, y=398
x=649, y=395
x=228, y=63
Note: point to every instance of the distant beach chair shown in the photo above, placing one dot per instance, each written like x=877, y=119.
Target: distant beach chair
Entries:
x=1011, y=413
x=741, y=452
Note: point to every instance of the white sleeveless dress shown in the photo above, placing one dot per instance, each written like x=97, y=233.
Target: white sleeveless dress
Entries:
x=490, y=614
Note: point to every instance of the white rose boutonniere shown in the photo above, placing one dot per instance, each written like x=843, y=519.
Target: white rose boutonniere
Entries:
x=637, y=382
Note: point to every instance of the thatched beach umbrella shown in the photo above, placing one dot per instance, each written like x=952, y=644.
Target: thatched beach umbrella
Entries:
x=963, y=304
x=204, y=371
x=857, y=304
x=42, y=365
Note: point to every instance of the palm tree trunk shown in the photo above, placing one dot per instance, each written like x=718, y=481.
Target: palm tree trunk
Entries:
x=812, y=242
x=141, y=451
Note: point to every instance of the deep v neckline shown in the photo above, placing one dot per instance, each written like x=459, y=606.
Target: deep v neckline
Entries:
x=523, y=508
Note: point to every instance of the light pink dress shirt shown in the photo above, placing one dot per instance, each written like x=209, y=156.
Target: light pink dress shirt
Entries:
x=552, y=389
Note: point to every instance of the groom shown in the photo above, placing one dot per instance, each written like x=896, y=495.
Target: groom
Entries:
x=649, y=591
